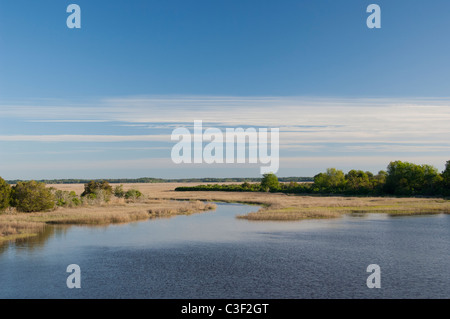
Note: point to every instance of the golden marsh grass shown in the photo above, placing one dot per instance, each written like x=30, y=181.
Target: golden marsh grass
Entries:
x=14, y=225
x=162, y=201
x=278, y=206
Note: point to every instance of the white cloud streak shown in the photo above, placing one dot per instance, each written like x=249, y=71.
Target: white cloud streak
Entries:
x=85, y=138
x=384, y=127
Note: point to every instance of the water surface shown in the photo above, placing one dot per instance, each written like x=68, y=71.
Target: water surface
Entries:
x=215, y=255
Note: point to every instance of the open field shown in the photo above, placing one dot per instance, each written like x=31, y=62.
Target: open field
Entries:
x=160, y=202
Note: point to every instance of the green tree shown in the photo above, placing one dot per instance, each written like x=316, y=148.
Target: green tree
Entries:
x=358, y=182
x=93, y=186
x=410, y=179
x=269, y=182
x=98, y=190
x=431, y=180
x=378, y=182
x=446, y=179
x=5, y=194
x=331, y=181
x=381, y=177
x=32, y=196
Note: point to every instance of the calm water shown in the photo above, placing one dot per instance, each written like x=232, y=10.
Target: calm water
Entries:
x=214, y=255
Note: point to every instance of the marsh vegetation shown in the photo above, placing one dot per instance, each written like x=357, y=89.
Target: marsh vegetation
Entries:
x=27, y=207
x=95, y=203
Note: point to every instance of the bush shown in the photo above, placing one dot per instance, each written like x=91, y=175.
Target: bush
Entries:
x=98, y=190
x=133, y=194
x=5, y=194
x=67, y=199
x=76, y=201
x=119, y=192
x=32, y=196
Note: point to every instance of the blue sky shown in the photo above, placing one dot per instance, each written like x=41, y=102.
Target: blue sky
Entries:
x=101, y=101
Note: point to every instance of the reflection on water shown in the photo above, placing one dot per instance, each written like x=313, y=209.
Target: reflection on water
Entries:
x=215, y=255
x=35, y=242
x=30, y=243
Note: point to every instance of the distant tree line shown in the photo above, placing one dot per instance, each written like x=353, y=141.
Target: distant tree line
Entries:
x=85, y=181
x=34, y=196
x=162, y=180
x=400, y=179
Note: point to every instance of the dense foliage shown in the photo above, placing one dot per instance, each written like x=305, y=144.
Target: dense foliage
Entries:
x=98, y=190
x=32, y=196
x=119, y=192
x=400, y=179
x=66, y=198
x=270, y=182
x=446, y=179
x=411, y=179
x=5, y=194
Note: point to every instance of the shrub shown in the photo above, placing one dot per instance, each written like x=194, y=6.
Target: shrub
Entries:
x=98, y=190
x=32, y=196
x=67, y=199
x=98, y=198
x=133, y=194
x=102, y=195
x=119, y=192
x=5, y=194
x=76, y=201
x=246, y=186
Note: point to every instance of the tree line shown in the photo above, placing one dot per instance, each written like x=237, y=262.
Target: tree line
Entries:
x=165, y=180
x=400, y=179
x=34, y=196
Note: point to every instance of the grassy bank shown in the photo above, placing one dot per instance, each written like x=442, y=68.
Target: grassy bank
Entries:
x=162, y=201
x=332, y=207
x=286, y=207
x=14, y=225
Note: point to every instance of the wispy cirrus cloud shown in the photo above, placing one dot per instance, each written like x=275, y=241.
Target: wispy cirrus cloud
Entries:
x=313, y=119
x=85, y=138
x=232, y=110
x=317, y=130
